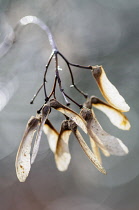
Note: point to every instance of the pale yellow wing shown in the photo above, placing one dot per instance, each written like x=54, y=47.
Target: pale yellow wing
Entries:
x=116, y=117
x=45, y=113
x=86, y=149
x=69, y=113
x=22, y=163
x=108, y=90
x=52, y=135
x=105, y=152
x=62, y=154
x=95, y=150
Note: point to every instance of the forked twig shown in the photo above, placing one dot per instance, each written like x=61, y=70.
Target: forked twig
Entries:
x=55, y=52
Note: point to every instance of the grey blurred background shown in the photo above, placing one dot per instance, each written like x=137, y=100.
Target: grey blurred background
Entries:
x=87, y=32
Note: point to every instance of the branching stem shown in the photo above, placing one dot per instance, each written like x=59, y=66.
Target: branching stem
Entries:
x=44, y=78
x=59, y=80
x=72, y=78
x=55, y=52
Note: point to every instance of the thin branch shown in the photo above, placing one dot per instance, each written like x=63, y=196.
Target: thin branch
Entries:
x=32, y=100
x=53, y=89
x=33, y=19
x=44, y=78
x=44, y=81
x=59, y=80
x=10, y=39
x=80, y=66
x=48, y=63
x=79, y=105
x=75, y=65
x=39, y=110
x=72, y=78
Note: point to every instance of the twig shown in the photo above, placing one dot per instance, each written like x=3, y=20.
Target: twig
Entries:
x=71, y=74
x=32, y=100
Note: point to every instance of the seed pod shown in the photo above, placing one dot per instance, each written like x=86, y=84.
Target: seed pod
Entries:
x=62, y=154
x=22, y=163
x=116, y=117
x=108, y=90
x=87, y=116
x=45, y=113
x=112, y=144
x=95, y=150
x=85, y=148
x=52, y=135
x=69, y=113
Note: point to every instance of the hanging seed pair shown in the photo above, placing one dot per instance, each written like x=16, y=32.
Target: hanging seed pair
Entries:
x=114, y=107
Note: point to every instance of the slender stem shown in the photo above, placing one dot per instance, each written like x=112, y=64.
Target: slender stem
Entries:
x=80, y=91
x=48, y=63
x=72, y=78
x=75, y=65
x=59, y=80
x=79, y=105
x=57, y=73
x=39, y=110
x=64, y=96
x=44, y=81
x=44, y=78
x=7, y=43
x=53, y=89
x=10, y=39
x=32, y=100
x=33, y=19
x=80, y=66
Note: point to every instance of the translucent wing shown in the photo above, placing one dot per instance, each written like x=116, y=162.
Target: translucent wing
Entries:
x=105, y=152
x=116, y=117
x=62, y=154
x=108, y=90
x=52, y=135
x=70, y=113
x=86, y=149
x=87, y=116
x=95, y=150
x=112, y=144
x=22, y=163
x=45, y=113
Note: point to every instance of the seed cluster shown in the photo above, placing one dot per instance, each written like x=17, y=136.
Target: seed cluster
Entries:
x=113, y=108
